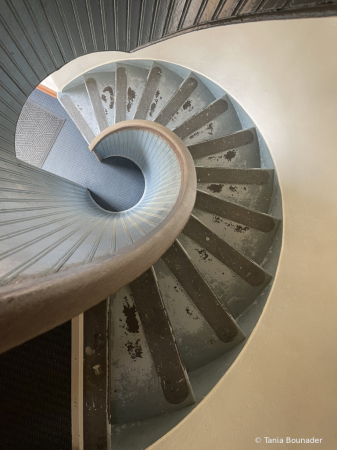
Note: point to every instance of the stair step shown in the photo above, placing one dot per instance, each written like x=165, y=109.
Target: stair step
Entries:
x=77, y=117
x=232, y=290
x=136, y=79
x=168, y=85
x=233, y=176
x=228, y=210
x=238, y=263
x=148, y=93
x=250, y=232
x=221, y=125
x=196, y=102
x=136, y=389
x=252, y=188
x=121, y=94
x=252, y=243
x=200, y=293
x=197, y=341
x=202, y=118
x=105, y=82
x=229, y=142
x=177, y=100
x=96, y=102
x=238, y=150
x=160, y=338
x=81, y=100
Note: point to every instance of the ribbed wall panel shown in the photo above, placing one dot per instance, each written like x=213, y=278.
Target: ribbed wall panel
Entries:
x=46, y=33
x=59, y=29
x=123, y=30
x=39, y=212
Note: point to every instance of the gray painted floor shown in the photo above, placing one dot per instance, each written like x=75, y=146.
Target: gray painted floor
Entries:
x=117, y=184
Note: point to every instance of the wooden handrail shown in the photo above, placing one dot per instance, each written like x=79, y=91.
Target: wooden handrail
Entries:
x=33, y=307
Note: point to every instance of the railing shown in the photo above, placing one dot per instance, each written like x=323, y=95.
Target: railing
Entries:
x=42, y=301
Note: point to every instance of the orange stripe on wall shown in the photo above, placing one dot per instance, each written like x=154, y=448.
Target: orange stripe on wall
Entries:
x=46, y=90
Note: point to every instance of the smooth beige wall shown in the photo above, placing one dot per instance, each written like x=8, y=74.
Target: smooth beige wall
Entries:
x=284, y=383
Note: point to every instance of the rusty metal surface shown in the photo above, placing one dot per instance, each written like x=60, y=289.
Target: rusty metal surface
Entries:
x=198, y=100
x=222, y=144
x=237, y=213
x=121, y=85
x=233, y=176
x=135, y=387
x=198, y=343
x=252, y=243
x=198, y=290
x=136, y=79
x=177, y=100
x=160, y=338
x=238, y=263
x=149, y=91
x=233, y=291
x=77, y=118
x=254, y=191
x=169, y=82
x=203, y=118
x=105, y=82
x=223, y=124
x=96, y=102
x=246, y=156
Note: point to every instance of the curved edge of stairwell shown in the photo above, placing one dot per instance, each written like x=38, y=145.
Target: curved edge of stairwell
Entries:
x=32, y=307
x=145, y=125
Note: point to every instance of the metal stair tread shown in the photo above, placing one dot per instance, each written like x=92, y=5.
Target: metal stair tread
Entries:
x=150, y=88
x=197, y=341
x=213, y=146
x=135, y=385
x=238, y=213
x=177, y=260
x=168, y=84
x=236, y=185
x=198, y=100
x=244, y=267
x=252, y=243
x=81, y=100
x=177, y=100
x=120, y=93
x=201, y=118
x=161, y=340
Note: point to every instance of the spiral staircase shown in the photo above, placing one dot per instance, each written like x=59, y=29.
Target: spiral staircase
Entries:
x=188, y=268
x=181, y=316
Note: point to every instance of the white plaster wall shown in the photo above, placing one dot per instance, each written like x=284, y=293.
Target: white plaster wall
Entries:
x=284, y=383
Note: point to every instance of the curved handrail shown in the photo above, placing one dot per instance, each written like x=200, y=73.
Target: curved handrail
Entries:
x=30, y=308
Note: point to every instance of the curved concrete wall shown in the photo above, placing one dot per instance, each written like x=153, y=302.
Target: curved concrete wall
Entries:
x=283, y=384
